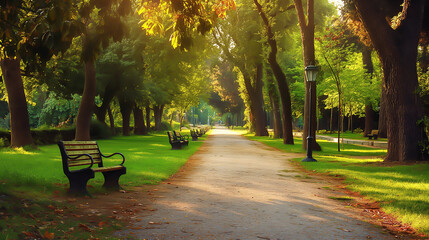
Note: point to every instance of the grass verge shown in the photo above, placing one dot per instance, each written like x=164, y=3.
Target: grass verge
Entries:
x=400, y=190
x=29, y=180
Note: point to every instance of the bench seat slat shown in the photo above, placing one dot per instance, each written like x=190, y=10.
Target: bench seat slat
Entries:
x=80, y=151
x=81, y=163
x=85, y=158
x=104, y=169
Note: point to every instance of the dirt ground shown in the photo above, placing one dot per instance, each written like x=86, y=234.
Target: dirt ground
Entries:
x=234, y=188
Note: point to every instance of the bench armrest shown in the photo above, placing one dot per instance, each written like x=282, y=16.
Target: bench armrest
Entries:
x=123, y=158
x=84, y=154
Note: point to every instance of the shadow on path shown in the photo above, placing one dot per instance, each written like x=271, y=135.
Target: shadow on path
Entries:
x=234, y=188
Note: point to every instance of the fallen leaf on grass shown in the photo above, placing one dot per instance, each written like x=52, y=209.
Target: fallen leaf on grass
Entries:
x=101, y=224
x=48, y=235
x=29, y=234
x=85, y=227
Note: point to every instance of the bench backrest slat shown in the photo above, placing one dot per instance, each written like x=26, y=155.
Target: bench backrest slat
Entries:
x=75, y=148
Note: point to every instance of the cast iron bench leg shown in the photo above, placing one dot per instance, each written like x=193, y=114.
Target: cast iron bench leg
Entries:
x=78, y=183
x=111, y=179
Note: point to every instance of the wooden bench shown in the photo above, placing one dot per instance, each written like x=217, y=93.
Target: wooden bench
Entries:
x=82, y=159
x=194, y=135
x=182, y=138
x=373, y=134
x=174, y=142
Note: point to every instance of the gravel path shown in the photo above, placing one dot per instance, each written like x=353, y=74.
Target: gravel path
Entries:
x=240, y=189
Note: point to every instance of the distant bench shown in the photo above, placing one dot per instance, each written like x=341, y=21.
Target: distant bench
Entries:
x=175, y=141
x=86, y=154
x=373, y=134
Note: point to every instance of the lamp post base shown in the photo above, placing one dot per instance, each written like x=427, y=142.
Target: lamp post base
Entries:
x=309, y=159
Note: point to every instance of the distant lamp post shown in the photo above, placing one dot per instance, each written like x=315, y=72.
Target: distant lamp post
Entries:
x=310, y=73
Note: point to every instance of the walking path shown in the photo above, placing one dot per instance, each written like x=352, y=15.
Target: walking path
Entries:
x=234, y=188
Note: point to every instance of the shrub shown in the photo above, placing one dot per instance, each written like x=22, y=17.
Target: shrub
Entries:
x=358, y=130
x=165, y=126
x=99, y=130
x=4, y=142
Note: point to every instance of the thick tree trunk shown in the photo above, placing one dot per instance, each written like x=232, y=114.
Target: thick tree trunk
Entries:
x=369, y=119
x=397, y=50
x=157, y=112
x=275, y=105
x=281, y=80
x=19, y=120
x=111, y=120
x=382, y=114
x=109, y=94
x=126, y=109
x=424, y=61
x=307, y=40
x=257, y=102
x=139, y=124
x=148, y=118
x=83, y=120
x=369, y=68
x=404, y=109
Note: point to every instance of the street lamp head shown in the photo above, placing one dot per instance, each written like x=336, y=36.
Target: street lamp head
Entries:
x=311, y=73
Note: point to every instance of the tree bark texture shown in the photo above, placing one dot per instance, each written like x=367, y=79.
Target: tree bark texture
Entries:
x=139, y=124
x=83, y=120
x=397, y=49
x=157, y=113
x=126, y=109
x=275, y=105
x=369, y=119
x=147, y=117
x=109, y=93
x=307, y=40
x=111, y=120
x=382, y=114
x=19, y=120
x=281, y=80
x=369, y=68
x=257, y=101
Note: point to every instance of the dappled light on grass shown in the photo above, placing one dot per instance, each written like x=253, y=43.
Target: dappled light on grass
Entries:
x=159, y=145
x=20, y=151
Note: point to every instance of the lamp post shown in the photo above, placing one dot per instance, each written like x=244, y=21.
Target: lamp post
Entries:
x=310, y=73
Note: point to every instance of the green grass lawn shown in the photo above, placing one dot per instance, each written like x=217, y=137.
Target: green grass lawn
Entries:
x=401, y=190
x=38, y=174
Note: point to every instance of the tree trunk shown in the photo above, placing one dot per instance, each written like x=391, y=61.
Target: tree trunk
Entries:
x=139, y=124
x=275, y=104
x=369, y=69
x=148, y=118
x=83, y=120
x=382, y=114
x=109, y=94
x=281, y=80
x=19, y=120
x=257, y=102
x=369, y=119
x=126, y=109
x=397, y=50
x=111, y=120
x=307, y=40
x=157, y=112
x=424, y=61
x=331, y=124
